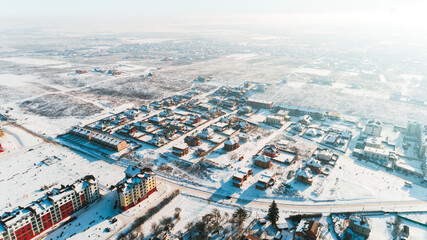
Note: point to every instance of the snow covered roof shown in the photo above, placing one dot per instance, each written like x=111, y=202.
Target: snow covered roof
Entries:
x=232, y=141
x=132, y=171
x=156, y=119
x=10, y=218
x=107, y=139
x=266, y=176
x=312, y=132
x=375, y=122
x=305, y=173
x=262, y=158
x=314, y=163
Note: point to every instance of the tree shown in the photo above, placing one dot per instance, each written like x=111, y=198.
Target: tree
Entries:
x=177, y=213
x=238, y=218
x=189, y=226
x=273, y=213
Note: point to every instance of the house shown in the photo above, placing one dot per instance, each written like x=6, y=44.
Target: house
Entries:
x=240, y=176
x=114, y=72
x=145, y=108
x=129, y=129
x=244, y=137
x=201, y=151
x=333, y=139
x=312, y=132
x=144, y=126
x=166, y=113
x=177, y=99
x=231, y=144
x=205, y=107
x=262, y=161
x=168, y=102
x=306, y=120
x=304, y=176
x=169, y=132
x=156, y=104
x=194, y=119
x=214, y=112
x=245, y=110
x=271, y=150
x=78, y=71
x=156, y=120
x=308, y=229
x=266, y=179
x=157, y=140
x=229, y=104
x=274, y=120
x=132, y=113
x=192, y=140
x=360, y=225
x=314, y=165
x=180, y=150
x=282, y=113
x=326, y=155
x=298, y=127
x=177, y=125
x=242, y=125
x=219, y=126
x=100, y=125
x=206, y=133
x=121, y=119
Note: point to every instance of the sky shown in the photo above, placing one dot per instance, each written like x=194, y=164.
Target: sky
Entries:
x=170, y=13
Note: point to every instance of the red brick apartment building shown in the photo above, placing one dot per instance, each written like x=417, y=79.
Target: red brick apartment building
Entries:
x=24, y=223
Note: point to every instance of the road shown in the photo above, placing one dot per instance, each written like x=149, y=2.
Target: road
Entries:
x=303, y=207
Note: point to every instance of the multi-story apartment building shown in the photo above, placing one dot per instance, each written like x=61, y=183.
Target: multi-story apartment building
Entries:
x=24, y=223
x=138, y=184
x=374, y=128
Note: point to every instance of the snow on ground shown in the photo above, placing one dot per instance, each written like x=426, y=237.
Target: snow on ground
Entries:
x=192, y=210
x=314, y=71
x=355, y=180
x=381, y=227
x=13, y=80
x=416, y=231
x=16, y=139
x=32, y=61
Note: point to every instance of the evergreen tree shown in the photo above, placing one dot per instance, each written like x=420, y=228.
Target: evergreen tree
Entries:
x=273, y=213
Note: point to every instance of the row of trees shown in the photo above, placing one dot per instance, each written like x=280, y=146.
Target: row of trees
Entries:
x=214, y=225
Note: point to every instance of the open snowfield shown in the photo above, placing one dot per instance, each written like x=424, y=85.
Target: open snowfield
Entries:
x=12, y=80
x=383, y=226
